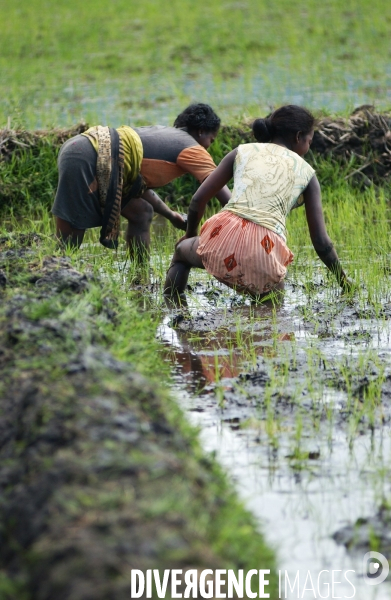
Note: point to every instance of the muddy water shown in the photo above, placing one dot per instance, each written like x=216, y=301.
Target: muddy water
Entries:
x=294, y=400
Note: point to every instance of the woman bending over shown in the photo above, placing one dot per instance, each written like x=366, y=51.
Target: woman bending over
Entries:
x=105, y=173
x=244, y=245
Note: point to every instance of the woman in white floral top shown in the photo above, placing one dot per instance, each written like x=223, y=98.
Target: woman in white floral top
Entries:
x=244, y=245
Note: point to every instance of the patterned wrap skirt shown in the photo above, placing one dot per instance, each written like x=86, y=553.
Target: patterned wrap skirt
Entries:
x=242, y=254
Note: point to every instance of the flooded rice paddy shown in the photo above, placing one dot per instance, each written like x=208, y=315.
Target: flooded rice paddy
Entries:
x=149, y=99
x=293, y=396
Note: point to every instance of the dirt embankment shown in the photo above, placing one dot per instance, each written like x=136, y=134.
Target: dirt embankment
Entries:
x=13, y=140
x=99, y=473
x=362, y=142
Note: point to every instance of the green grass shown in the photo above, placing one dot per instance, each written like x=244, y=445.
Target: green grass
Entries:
x=121, y=62
x=358, y=223
x=29, y=178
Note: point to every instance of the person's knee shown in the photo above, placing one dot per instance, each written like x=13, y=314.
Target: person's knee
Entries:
x=147, y=213
x=179, y=255
x=186, y=252
x=139, y=214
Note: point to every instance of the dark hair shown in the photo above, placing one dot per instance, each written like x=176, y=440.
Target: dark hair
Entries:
x=284, y=122
x=198, y=116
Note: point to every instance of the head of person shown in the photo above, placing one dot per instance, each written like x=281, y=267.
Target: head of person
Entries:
x=201, y=122
x=291, y=125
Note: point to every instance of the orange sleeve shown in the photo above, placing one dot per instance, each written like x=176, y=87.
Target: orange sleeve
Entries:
x=196, y=161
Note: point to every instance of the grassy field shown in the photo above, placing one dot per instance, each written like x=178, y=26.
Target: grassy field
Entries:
x=127, y=62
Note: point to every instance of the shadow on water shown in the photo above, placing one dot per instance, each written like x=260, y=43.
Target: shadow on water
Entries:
x=295, y=404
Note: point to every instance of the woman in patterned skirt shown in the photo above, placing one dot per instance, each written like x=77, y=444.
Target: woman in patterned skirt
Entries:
x=244, y=245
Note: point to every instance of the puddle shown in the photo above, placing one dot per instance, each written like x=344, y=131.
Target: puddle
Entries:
x=291, y=408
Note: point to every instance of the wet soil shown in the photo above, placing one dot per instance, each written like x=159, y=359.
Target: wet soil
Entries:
x=98, y=473
x=331, y=325
x=295, y=399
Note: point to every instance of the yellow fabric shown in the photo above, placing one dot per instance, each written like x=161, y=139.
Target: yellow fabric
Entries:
x=92, y=135
x=268, y=182
x=133, y=152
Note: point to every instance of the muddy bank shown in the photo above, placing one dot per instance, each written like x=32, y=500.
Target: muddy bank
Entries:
x=13, y=139
x=99, y=472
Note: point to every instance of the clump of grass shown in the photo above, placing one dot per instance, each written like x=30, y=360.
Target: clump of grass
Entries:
x=28, y=180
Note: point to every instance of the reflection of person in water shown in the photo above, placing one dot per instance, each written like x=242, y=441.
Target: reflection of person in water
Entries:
x=106, y=172
x=244, y=245
x=202, y=366
x=209, y=361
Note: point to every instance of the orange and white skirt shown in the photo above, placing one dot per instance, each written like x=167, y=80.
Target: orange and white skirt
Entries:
x=242, y=254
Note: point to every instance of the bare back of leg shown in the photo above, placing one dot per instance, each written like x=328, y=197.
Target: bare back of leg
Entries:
x=185, y=257
x=139, y=214
x=67, y=234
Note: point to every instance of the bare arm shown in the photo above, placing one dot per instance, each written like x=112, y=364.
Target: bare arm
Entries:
x=162, y=209
x=223, y=195
x=211, y=187
x=317, y=228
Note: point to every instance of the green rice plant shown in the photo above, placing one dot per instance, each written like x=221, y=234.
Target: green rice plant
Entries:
x=218, y=388
x=29, y=179
x=271, y=427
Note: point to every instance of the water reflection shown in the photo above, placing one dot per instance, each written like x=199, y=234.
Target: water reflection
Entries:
x=300, y=493
x=254, y=92
x=204, y=359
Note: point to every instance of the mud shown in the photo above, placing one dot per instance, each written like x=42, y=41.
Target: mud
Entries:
x=294, y=398
x=247, y=385
x=96, y=474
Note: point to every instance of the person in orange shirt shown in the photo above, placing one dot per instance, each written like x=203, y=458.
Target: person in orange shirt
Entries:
x=152, y=157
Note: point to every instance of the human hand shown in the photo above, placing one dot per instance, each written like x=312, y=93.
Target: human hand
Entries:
x=179, y=221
